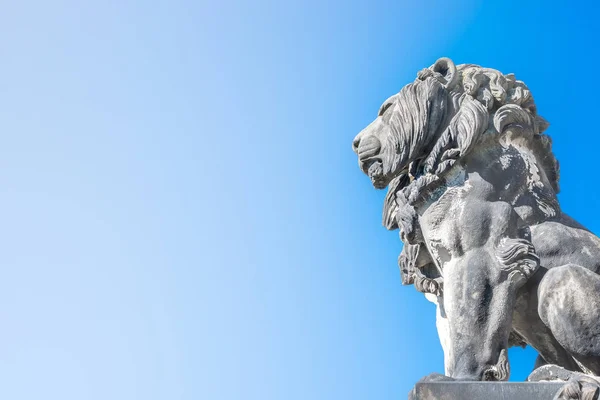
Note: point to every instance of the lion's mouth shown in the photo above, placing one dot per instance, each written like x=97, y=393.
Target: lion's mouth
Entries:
x=380, y=180
x=374, y=170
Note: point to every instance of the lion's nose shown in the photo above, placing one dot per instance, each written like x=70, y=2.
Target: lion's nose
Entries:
x=355, y=144
x=368, y=147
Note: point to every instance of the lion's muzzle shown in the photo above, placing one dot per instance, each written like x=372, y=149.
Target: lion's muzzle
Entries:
x=367, y=147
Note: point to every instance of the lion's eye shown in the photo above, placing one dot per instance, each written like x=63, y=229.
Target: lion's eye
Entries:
x=384, y=108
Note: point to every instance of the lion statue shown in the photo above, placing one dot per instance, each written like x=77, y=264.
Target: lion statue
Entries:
x=472, y=187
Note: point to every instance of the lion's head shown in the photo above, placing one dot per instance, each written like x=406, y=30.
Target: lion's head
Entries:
x=435, y=120
x=405, y=123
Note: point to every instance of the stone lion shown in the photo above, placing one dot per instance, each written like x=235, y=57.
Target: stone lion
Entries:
x=472, y=185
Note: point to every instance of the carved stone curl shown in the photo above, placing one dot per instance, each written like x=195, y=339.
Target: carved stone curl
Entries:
x=412, y=274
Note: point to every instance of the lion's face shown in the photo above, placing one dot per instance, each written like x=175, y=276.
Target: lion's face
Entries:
x=378, y=156
x=405, y=125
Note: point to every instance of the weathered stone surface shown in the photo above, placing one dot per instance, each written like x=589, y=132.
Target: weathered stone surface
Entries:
x=486, y=390
x=472, y=187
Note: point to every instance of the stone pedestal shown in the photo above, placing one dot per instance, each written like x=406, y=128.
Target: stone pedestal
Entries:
x=486, y=390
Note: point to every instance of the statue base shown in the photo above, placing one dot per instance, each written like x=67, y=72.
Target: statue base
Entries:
x=486, y=390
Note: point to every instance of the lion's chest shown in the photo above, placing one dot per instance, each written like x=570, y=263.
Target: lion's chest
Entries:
x=452, y=221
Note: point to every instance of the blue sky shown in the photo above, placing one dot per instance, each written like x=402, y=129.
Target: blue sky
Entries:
x=182, y=214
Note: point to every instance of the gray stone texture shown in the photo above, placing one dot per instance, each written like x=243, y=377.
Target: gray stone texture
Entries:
x=472, y=187
x=486, y=390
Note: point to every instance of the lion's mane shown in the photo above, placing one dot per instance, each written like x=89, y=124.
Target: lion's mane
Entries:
x=481, y=104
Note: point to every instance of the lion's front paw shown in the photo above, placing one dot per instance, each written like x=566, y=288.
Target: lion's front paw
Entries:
x=579, y=388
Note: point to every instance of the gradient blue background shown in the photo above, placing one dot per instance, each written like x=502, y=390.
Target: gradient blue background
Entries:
x=182, y=216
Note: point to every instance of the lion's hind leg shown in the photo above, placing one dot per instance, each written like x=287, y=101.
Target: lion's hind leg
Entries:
x=569, y=304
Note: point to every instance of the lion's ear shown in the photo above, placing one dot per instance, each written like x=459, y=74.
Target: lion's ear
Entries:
x=446, y=68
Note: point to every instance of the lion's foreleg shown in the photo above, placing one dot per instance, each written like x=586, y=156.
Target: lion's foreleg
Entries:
x=480, y=286
x=478, y=304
